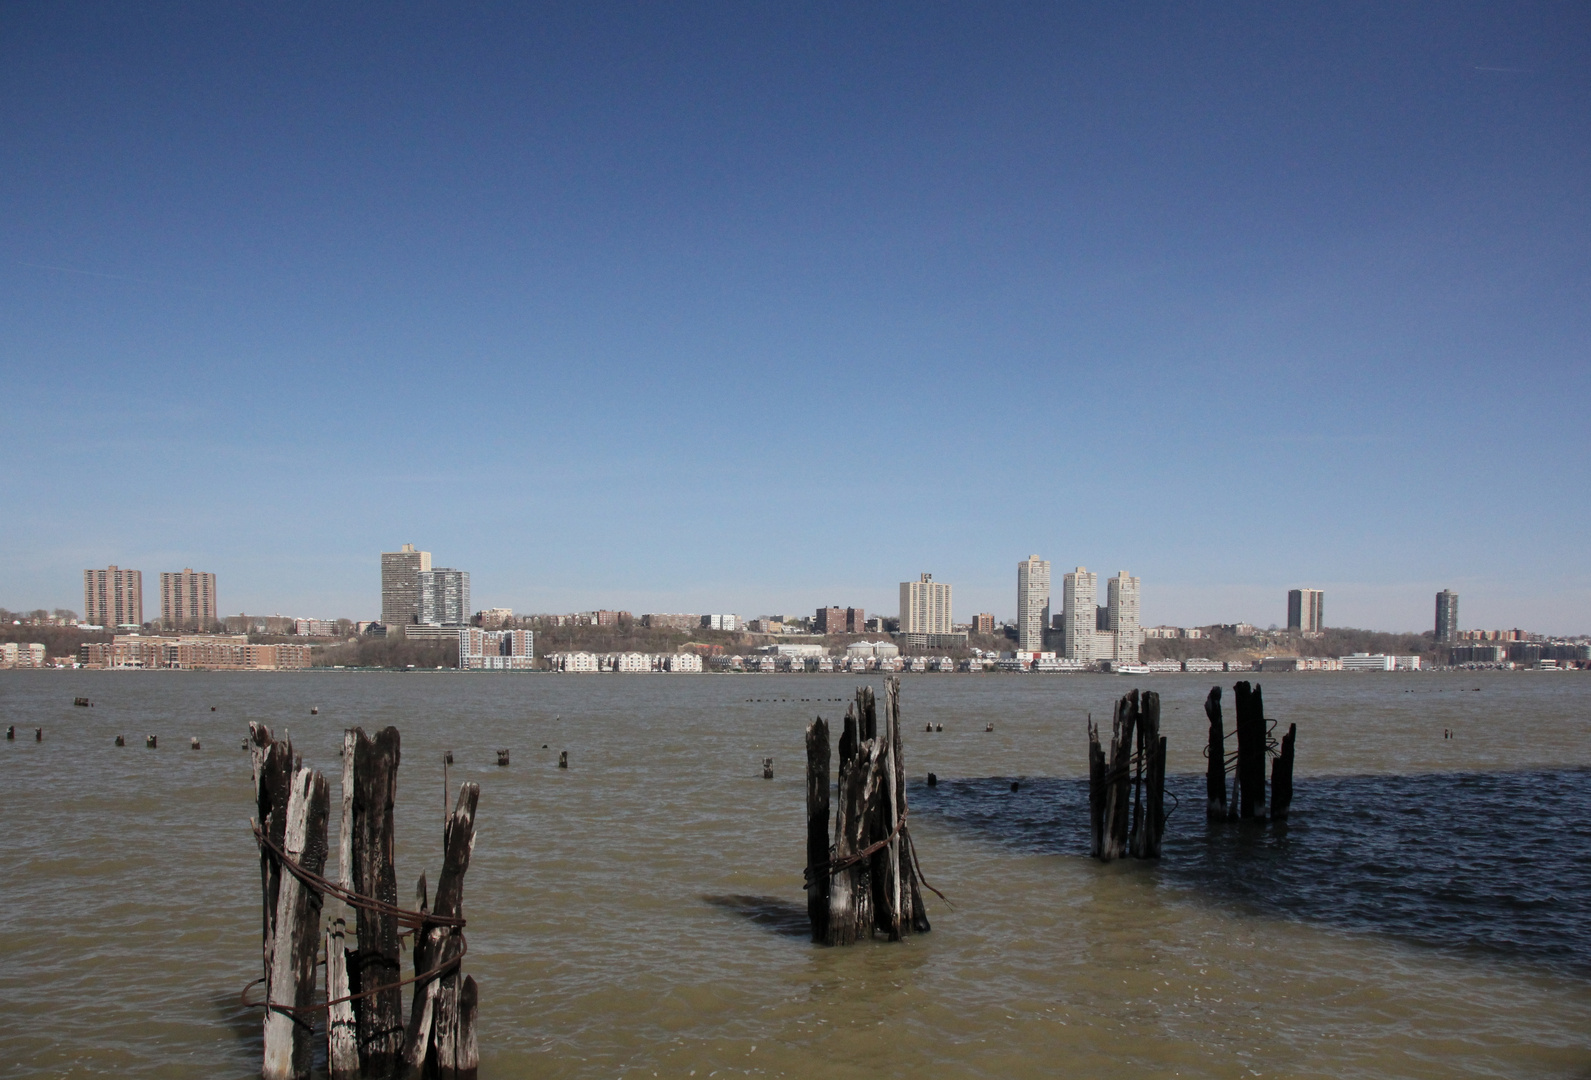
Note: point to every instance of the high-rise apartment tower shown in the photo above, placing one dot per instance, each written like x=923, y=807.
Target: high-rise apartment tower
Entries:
x=1306, y=610
x=187, y=600
x=444, y=597
x=1032, y=603
x=113, y=597
x=1447, y=615
x=400, y=585
x=924, y=606
x=1079, y=591
x=1121, y=606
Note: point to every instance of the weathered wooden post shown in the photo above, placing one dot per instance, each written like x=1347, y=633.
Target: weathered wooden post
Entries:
x=1118, y=779
x=502, y=757
x=38, y=734
x=817, y=875
x=563, y=759
x=11, y=733
x=437, y=1038
x=121, y=740
x=378, y=1017
x=342, y=1033
x=151, y=742
x=194, y=743
x=1250, y=708
x=1098, y=771
x=290, y=988
x=1154, y=823
x=1282, y=776
x=1215, y=750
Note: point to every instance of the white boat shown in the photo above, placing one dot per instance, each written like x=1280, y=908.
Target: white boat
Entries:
x=1130, y=669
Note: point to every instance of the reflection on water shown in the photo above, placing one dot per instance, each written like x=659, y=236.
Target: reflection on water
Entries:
x=1491, y=861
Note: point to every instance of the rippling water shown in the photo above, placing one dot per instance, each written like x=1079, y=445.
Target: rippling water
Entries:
x=1423, y=914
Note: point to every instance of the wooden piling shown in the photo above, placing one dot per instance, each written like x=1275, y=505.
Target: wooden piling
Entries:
x=1250, y=709
x=38, y=734
x=1118, y=780
x=767, y=768
x=379, y=1017
x=342, y=1032
x=563, y=759
x=817, y=875
x=1215, y=750
x=193, y=743
x=1097, y=772
x=1282, y=776
x=151, y=742
x=11, y=733
x=290, y=988
x=502, y=758
x=121, y=740
x=1151, y=824
x=433, y=1038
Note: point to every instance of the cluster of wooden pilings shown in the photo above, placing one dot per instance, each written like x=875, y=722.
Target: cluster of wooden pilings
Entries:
x=1127, y=786
x=363, y=1005
x=866, y=881
x=1255, y=742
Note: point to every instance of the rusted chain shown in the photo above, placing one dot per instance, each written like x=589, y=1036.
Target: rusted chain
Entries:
x=834, y=866
x=294, y=1011
x=416, y=920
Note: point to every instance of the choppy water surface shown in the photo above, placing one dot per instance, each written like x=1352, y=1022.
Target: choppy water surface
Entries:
x=1423, y=914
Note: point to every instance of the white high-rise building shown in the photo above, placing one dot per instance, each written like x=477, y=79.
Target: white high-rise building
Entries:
x=444, y=597
x=924, y=606
x=1079, y=604
x=1032, y=603
x=1122, y=611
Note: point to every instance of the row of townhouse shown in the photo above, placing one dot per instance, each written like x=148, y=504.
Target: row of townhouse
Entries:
x=218, y=652
x=624, y=663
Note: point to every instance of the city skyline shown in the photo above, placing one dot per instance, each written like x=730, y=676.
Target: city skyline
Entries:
x=1243, y=270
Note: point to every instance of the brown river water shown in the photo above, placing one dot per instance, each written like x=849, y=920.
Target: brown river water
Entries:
x=1427, y=913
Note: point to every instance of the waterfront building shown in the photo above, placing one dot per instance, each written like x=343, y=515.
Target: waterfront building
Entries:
x=187, y=600
x=688, y=663
x=924, y=606
x=496, y=650
x=21, y=654
x=866, y=649
x=1032, y=602
x=982, y=623
x=1447, y=616
x=1121, y=615
x=113, y=597
x=1079, y=590
x=400, y=586
x=1306, y=610
x=444, y=597
x=215, y=652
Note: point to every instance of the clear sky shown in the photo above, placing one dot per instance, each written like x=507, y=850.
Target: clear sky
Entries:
x=759, y=307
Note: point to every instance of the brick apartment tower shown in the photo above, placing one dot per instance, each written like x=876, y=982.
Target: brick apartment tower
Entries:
x=187, y=600
x=113, y=597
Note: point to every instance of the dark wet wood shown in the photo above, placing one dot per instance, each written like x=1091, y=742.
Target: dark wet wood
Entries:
x=818, y=828
x=1215, y=749
x=1250, y=708
x=378, y=1018
x=1282, y=776
x=1118, y=779
x=1096, y=791
x=433, y=1035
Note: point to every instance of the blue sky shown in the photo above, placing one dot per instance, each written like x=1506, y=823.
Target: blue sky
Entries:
x=761, y=307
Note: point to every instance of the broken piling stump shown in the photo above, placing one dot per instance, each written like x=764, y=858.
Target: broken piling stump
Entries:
x=1215, y=753
x=502, y=758
x=1282, y=775
x=767, y=768
x=563, y=759
x=121, y=740
x=11, y=732
x=151, y=742
x=869, y=873
x=1127, y=788
x=194, y=743
x=38, y=734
